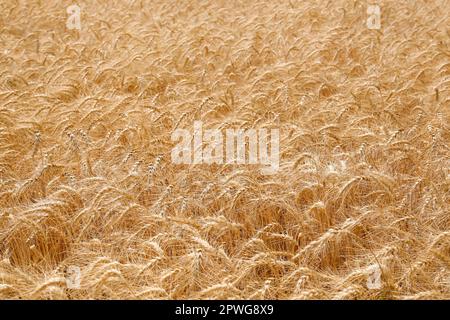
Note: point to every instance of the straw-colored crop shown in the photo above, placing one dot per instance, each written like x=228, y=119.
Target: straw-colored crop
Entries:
x=86, y=177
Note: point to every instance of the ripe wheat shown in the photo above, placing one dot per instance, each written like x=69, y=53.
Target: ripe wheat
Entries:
x=86, y=177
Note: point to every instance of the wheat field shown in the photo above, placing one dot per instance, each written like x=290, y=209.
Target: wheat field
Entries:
x=86, y=177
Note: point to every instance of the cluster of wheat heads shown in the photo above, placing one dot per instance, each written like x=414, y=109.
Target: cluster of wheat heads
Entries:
x=86, y=177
